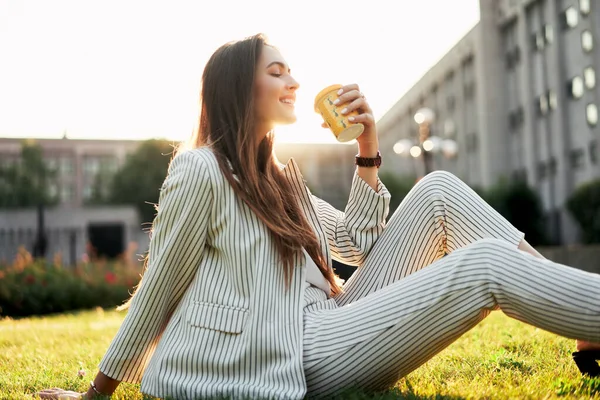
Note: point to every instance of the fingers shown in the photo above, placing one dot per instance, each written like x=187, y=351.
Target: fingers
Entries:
x=353, y=99
x=366, y=119
x=347, y=97
x=359, y=104
x=324, y=125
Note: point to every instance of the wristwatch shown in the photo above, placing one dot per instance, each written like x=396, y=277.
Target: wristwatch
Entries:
x=368, y=162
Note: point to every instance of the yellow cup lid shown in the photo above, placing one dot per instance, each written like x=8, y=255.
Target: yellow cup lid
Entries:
x=324, y=93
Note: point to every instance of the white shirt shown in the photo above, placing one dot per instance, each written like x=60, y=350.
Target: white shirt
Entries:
x=314, y=276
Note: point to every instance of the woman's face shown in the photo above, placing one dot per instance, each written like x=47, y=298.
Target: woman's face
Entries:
x=275, y=91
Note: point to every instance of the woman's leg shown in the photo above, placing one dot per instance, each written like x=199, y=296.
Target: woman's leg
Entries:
x=379, y=338
x=439, y=215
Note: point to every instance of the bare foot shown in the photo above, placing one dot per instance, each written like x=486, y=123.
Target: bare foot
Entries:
x=582, y=345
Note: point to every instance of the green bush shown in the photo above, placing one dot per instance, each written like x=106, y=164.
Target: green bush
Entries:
x=584, y=206
x=521, y=206
x=398, y=186
x=36, y=287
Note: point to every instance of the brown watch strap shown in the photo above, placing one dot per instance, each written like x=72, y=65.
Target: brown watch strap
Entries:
x=368, y=162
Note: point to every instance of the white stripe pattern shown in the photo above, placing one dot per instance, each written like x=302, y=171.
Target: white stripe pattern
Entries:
x=212, y=316
x=395, y=314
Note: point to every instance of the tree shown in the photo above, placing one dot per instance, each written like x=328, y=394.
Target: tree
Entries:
x=521, y=206
x=26, y=182
x=140, y=178
x=584, y=206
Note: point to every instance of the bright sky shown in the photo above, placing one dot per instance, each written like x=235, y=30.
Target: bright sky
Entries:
x=131, y=69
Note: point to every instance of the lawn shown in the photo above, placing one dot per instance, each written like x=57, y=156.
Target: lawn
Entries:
x=500, y=358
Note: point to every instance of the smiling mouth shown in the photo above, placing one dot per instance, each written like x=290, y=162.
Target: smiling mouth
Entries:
x=289, y=102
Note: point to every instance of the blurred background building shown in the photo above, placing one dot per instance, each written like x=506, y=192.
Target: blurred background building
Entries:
x=518, y=95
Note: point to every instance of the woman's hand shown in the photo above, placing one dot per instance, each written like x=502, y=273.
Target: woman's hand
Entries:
x=59, y=394
x=350, y=98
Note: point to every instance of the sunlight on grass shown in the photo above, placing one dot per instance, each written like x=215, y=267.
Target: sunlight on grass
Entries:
x=501, y=358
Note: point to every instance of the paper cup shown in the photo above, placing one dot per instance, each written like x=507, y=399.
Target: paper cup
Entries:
x=343, y=129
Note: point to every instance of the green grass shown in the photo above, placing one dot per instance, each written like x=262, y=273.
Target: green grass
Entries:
x=500, y=358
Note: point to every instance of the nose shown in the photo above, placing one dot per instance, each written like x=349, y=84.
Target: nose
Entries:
x=292, y=84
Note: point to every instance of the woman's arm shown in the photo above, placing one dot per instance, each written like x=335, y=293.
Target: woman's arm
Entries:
x=178, y=240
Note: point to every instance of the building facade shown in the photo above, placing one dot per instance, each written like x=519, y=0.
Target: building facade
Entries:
x=519, y=95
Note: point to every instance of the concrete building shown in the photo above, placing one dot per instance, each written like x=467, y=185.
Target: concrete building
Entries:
x=77, y=163
x=519, y=95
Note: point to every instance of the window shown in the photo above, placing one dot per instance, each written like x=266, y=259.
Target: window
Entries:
x=53, y=190
x=594, y=152
x=91, y=166
x=538, y=41
x=87, y=191
x=576, y=87
x=520, y=175
x=548, y=33
x=66, y=166
x=543, y=105
x=450, y=103
x=472, y=143
x=591, y=114
x=577, y=157
x=513, y=57
x=67, y=193
x=542, y=170
x=584, y=7
x=589, y=76
x=587, y=41
x=516, y=118
x=470, y=90
x=570, y=18
x=449, y=127
x=552, y=99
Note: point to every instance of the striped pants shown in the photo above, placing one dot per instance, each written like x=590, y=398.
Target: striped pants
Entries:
x=395, y=314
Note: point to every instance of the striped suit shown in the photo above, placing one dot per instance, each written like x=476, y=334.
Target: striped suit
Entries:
x=212, y=315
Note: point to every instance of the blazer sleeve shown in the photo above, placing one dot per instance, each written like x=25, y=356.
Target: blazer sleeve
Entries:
x=352, y=234
x=178, y=240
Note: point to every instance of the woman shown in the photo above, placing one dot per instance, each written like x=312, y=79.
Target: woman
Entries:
x=240, y=299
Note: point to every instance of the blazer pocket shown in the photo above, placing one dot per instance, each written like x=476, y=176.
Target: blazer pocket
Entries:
x=218, y=317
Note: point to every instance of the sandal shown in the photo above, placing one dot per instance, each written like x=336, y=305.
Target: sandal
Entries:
x=586, y=361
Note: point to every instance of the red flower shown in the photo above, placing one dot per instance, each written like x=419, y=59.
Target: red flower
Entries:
x=110, y=278
x=29, y=279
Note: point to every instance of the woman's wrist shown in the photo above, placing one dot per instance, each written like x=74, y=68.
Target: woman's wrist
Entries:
x=368, y=149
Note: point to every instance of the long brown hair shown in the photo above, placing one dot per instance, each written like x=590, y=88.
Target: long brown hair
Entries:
x=227, y=124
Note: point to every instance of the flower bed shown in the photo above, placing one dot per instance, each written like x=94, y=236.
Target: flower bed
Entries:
x=36, y=287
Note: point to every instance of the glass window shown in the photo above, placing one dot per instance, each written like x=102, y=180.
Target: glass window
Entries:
x=66, y=165
x=585, y=6
x=589, y=76
x=577, y=158
x=543, y=105
x=53, y=190
x=571, y=17
x=591, y=114
x=67, y=194
x=539, y=40
x=576, y=87
x=587, y=41
x=594, y=152
x=548, y=33
x=87, y=191
x=552, y=100
x=449, y=127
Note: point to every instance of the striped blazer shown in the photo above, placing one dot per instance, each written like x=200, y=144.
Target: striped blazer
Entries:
x=212, y=315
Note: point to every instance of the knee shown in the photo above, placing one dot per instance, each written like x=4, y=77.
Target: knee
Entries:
x=440, y=179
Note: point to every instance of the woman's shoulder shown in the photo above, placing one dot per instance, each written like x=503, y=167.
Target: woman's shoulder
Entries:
x=201, y=158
